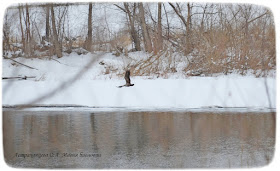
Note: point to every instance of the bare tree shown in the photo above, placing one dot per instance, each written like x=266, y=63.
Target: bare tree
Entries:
x=131, y=22
x=28, y=34
x=187, y=24
x=6, y=35
x=89, y=36
x=131, y=17
x=58, y=48
x=21, y=28
x=159, y=29
x=47, y=22
x=167, y=22
x=147, y=39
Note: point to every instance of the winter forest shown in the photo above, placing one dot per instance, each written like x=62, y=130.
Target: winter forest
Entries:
x=192, y=39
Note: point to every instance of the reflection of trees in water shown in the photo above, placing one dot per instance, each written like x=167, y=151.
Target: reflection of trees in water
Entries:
x=93, y=136
x=161, y=129
x=136, y=138
x=168, y=131
x=244, y=139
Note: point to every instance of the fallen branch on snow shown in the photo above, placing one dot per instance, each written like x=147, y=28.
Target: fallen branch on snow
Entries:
x=22, y=78
x=20, y=63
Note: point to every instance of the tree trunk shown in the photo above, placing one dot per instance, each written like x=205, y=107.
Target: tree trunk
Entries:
x=6, y=36
x=89, y=38
x=188, y=29
x=47, y=23
x=21, y=29
x=28, y=34
x=159, y=29
x=58, y=48
x=167, y=22
x=147, y=39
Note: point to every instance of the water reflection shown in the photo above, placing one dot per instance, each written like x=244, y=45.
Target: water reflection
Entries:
x=139, y=139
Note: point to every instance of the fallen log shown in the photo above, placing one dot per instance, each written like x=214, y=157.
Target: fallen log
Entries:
x=20, y=78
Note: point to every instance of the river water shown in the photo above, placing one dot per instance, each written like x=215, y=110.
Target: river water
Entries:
x=138, y=139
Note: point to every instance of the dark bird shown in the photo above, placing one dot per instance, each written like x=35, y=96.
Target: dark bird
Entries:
x=127, y=80
x=101, y=63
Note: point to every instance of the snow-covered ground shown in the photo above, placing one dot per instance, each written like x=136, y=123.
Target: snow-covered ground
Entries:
x=97, y=87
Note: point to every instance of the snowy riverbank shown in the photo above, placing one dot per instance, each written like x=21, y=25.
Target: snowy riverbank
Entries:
x=186, y=93
x=93, y=90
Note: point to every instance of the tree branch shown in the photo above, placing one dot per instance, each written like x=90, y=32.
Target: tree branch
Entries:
x=120, y=8
x=179, y=15
x=257, y=17
x=20, y=63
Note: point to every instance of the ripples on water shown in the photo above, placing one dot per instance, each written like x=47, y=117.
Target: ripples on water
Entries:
x=139, y=139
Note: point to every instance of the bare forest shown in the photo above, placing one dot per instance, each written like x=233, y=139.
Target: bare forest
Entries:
x=196, y=39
